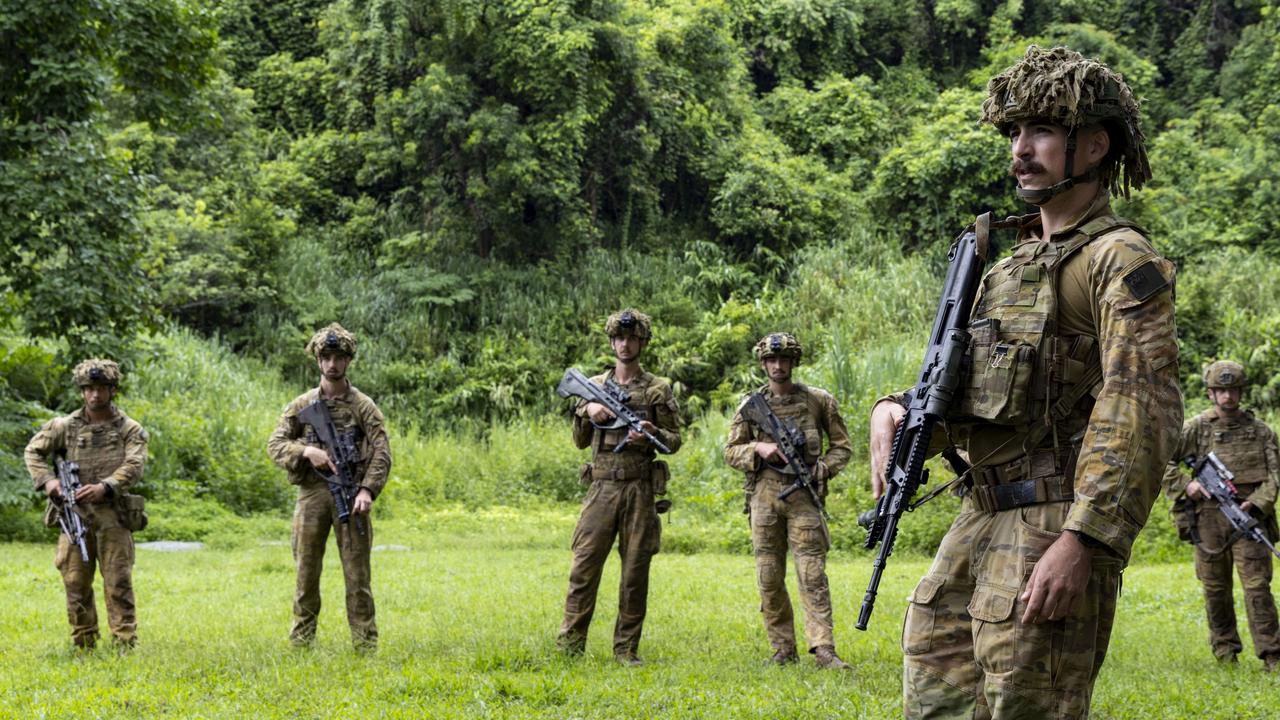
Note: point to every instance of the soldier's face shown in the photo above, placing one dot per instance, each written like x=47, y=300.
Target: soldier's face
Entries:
x=778, y=368
x=333, y=365
x=626, y=347
x=97, y=397
x=1039, y=157
x=1225, y=399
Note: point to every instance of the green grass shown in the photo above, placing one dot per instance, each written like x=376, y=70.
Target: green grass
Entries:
x=468, y=615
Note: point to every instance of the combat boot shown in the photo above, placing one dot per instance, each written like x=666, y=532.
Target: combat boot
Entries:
x=628, y=658
x=827, y=659
x=784, y=656
x=1271, y=664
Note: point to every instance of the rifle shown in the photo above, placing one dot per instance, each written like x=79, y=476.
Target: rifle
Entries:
x=1217, y=481
x=575, y=384
x=790, y=441
x=70, y=521
x=342, y=451
x=928, y=402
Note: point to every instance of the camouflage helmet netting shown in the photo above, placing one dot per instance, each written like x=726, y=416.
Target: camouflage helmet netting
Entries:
x=1225, y=374
x=332, y=337
x=629, y=322
x=784, y=344
x=95, y=371
x=1067, y=88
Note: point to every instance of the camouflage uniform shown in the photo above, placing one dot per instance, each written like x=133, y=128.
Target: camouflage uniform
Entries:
x=113, y=453
x=1069, y=412
x=1248, y=448
x=316, y=513
x=619, y=502
x=797, y=522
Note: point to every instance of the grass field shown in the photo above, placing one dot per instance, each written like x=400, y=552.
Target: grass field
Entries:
x=468, y=607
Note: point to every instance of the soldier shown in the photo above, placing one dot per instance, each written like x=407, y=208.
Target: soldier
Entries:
x=1068, y=411
x=295, y=447
x=796, y=522
x=110, y=449
x=1248, y=448
x=620, y=500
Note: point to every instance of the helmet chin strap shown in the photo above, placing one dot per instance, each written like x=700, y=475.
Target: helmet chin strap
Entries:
x=1040, y=197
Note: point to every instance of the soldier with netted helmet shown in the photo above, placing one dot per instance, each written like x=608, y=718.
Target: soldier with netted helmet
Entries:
x=296, y=447
x=1247, y=447
x=797, y=522
x=110, y=449
x=1068, y=408
x=622, y=481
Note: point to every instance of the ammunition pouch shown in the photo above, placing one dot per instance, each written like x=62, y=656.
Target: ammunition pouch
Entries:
x=1184, y=519
x=51, y=514
x=132, y=511
x=661, y=475
x=998, y=384
x=584, y=474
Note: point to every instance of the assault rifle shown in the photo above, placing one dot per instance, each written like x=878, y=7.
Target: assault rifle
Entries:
x=70, y=521
x=790, y=441
x=575, y=384
x=1217, y=481
x=928, y=402
x=345, y=457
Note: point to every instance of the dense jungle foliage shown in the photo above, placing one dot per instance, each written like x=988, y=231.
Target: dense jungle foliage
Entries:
x=472, y=186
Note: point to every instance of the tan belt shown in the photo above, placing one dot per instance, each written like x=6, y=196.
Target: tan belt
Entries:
x=634, y=472
x=1039, y=477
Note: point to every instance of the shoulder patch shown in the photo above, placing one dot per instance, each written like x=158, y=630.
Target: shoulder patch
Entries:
x=1145, y=281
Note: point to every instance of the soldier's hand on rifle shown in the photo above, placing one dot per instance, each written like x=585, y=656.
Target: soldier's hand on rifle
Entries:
x=598, y=413
x=319, y=459
x=91, y=493
x=1246, y=506
x=885, y=417
x=53, y=489
x=770, y=452
x=1196, y=491
x=633, y=436
x=363, y=502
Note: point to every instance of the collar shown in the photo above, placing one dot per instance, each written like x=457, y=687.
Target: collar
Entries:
x=82, y=416
x=348, y=396
x=1100, y=205
x=609, y=373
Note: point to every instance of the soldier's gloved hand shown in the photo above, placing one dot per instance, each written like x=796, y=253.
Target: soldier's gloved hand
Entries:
x=319, y=459
x=598, y=413
x=363, y=502
x=1196, y=491
x=770, y=452
x=53, y=489
x=91, y=493
x=885, y=418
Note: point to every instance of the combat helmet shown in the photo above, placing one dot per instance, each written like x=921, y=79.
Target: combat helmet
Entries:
x=95, y=371
x=784, y=344
x=629, y=322
x=1224, y=374
x=1064, y=87
x=332, y=337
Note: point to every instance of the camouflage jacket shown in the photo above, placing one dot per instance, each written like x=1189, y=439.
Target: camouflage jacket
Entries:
x=352, y=409
x=111, y=452
x=1244, y=444
x=652, y=400
x=816, y=414
x=1114, y=298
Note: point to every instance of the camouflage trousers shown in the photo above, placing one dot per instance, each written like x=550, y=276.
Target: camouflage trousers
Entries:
x=313, y=517
x=111, y=549
x=622, y=508
x=1253, y=562
x=796, y=524
x=967, y=652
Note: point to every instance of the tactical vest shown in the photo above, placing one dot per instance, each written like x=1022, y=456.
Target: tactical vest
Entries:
x=345, y=422
x=606, y=440
x=801, y=407
x=98, y=448
x=1019, y=368
x=1241, y=447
